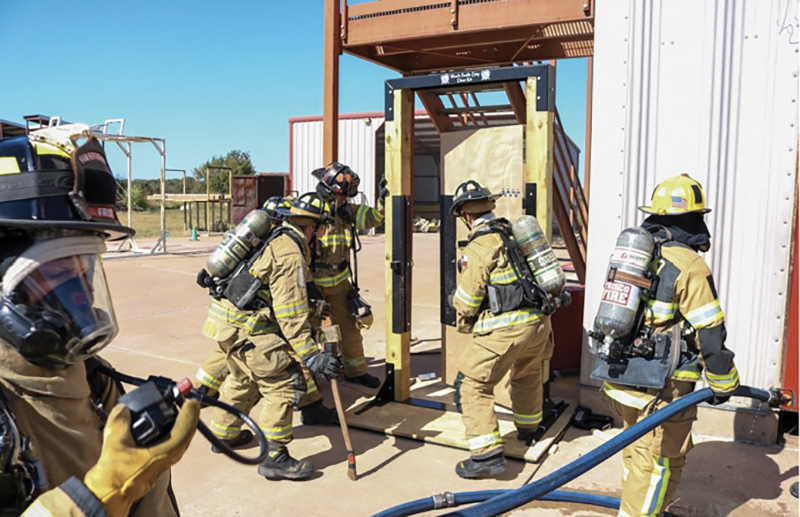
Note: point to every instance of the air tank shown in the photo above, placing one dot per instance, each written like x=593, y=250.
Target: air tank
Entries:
x=537, y=252
x=237, y=243
x=620, y=300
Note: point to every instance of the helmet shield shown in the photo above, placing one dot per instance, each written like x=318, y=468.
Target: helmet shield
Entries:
x=57, y=311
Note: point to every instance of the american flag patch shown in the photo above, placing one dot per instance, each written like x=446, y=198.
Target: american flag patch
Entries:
x=678, y=202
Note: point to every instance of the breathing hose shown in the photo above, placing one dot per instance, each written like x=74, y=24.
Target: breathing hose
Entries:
x=495, y=502
x=165, y=382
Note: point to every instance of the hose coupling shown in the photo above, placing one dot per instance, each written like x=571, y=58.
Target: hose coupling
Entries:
x=445, y=500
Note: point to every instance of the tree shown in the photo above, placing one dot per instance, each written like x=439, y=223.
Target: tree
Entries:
x=238, y=161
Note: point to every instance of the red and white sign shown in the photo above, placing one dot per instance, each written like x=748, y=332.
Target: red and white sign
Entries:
x=618, y=293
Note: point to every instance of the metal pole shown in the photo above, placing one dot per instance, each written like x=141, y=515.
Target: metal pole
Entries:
x=208, y=200
x=130, y=193
x=163, y=195
x=184, y=183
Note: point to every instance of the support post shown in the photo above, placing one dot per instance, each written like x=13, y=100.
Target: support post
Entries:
x=398, y=242
x=330, y=88
x=130, y=193
x=539, y=138
x=587, y=152
x=208, y=200
x=164, y=196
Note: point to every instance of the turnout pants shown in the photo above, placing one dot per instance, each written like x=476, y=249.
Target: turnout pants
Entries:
x=653, y=465
x=352, y=344
x=214, y=370
x=523, y=350
x=261, y=366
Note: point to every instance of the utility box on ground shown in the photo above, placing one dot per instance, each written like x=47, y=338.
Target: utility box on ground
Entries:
x=250, y=192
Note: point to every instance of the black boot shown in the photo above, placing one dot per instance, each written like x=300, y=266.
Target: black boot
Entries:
x=318, y=414
x=279, y=465
x=243, y=438
x=365, y=380
x=526, y=436
x=487, y=464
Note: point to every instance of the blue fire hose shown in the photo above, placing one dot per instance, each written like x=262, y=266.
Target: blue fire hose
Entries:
x=495, y=502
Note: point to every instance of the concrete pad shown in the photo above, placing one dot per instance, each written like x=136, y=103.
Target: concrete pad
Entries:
x=161, y=311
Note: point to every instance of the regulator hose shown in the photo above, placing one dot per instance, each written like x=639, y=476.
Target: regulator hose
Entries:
x=495, y=502
x=165, y=382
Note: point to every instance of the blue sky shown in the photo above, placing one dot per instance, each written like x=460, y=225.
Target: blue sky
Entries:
x=207, y=76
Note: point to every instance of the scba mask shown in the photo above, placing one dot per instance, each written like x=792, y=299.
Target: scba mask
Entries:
x=360, y=309
x=56, y=308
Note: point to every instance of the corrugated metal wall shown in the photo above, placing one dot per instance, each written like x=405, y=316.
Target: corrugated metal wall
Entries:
x=707, y=88
x=356, y=149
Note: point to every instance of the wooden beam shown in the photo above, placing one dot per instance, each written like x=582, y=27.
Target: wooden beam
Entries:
x=434, y=107
x=539, y=139
x=330, y=84
x=399, y=173
x=517, y=99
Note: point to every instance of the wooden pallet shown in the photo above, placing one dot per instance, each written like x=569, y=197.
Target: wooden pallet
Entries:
x=444, y=427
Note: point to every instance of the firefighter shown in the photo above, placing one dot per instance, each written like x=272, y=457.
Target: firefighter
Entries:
x=686, y=296
x=331, y=264
x=56, y=212
x=517, y=339
x=214, y=370
x=266, y=348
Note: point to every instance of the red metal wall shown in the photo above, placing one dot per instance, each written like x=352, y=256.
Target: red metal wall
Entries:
x=568, y=332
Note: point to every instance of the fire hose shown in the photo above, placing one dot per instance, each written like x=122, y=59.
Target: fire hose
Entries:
x=495, y=502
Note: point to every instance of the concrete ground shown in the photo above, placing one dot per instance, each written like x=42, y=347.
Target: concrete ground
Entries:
x=161, y=311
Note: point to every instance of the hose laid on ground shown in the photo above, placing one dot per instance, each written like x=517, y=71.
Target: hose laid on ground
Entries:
x=164, y=383
x=491, y=505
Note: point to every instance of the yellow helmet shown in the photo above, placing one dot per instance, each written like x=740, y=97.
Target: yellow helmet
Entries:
x=677, y=195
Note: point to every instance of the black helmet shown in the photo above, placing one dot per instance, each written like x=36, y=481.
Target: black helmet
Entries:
x=48, y=183
x=56, y=209
x=336, y=179
x=312, y=206
x=470, y=191
x=277, y=208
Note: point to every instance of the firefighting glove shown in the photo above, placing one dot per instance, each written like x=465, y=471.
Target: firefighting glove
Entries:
x=125, y=472
x=320, y=309
x=383, y=188
x=324, y=365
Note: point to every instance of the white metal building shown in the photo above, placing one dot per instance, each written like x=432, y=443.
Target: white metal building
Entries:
x=708, y=88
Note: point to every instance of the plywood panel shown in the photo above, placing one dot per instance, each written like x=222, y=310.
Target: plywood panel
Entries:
x=494, y=158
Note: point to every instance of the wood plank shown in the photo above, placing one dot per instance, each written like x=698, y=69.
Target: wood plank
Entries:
x=330, y=83
x=434, y=107
x=399, y=173
x=398, y=20
x=517, y=99
x=539, y=157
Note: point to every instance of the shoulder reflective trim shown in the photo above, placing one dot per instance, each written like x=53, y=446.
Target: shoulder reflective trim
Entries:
x=278, y=433
x=638, y=401
x=488, y=323
x=303, y=348
x=706, y=316
x=290, y=310
x=208, y=380
x=529, y=420
x=468, y=299
x=659, y=481
x=502, y=276
x=725, y=382
x=8, y=165
x=336, y=239
x=662, y=310
x=332, y=281
x=225, y=431
x=486, y=440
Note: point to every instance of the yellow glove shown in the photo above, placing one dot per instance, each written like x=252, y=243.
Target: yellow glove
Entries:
x=125, y=472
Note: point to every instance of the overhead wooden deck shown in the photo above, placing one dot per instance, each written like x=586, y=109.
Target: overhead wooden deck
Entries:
x=416, y=36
